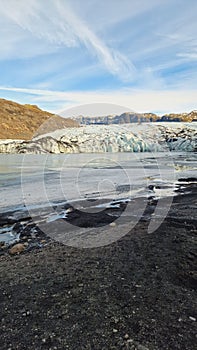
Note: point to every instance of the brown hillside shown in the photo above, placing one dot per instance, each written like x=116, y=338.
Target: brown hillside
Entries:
x=23, y=121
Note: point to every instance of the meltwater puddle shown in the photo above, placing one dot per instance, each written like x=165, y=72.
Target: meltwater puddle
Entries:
x=8, y=235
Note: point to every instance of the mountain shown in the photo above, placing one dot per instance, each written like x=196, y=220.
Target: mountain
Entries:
x=132, y=117
x=124, y=118
x=180, y=117
x=25, y=121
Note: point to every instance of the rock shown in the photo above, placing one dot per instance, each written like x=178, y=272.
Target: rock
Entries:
x=192, y=318
x=141, y=347
x=26, y=313
x=17, y=248
x=126, y=336
x=113, y=224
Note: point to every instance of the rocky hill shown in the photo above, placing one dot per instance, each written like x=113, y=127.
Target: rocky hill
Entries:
x=23, y=121
x=124, y=118
x=180, y=117
x=132, y=117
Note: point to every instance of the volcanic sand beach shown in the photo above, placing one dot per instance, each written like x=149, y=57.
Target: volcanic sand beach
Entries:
x=136, y=293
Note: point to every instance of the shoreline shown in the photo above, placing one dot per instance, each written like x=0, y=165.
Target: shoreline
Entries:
x=31, y=225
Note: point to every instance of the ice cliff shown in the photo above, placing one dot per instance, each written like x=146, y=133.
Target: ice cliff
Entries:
x=103, y=138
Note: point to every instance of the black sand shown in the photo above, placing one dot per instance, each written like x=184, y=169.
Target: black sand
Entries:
x=137, y=293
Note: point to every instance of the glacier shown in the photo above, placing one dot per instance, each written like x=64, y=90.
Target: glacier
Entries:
x=147, y=137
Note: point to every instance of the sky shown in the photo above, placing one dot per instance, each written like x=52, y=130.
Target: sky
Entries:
x=138, y=54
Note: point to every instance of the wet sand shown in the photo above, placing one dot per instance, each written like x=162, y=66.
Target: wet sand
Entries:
x=136, y=293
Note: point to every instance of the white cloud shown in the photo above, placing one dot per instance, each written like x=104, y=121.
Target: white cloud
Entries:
x=115, y=62
x=60, y=26
x=188, y=55
x=137, y=100
x=158, y=39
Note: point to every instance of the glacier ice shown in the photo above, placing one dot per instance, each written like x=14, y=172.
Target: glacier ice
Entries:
x=147, y=137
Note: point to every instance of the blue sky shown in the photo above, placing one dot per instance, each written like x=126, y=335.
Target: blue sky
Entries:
x=135, y=53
